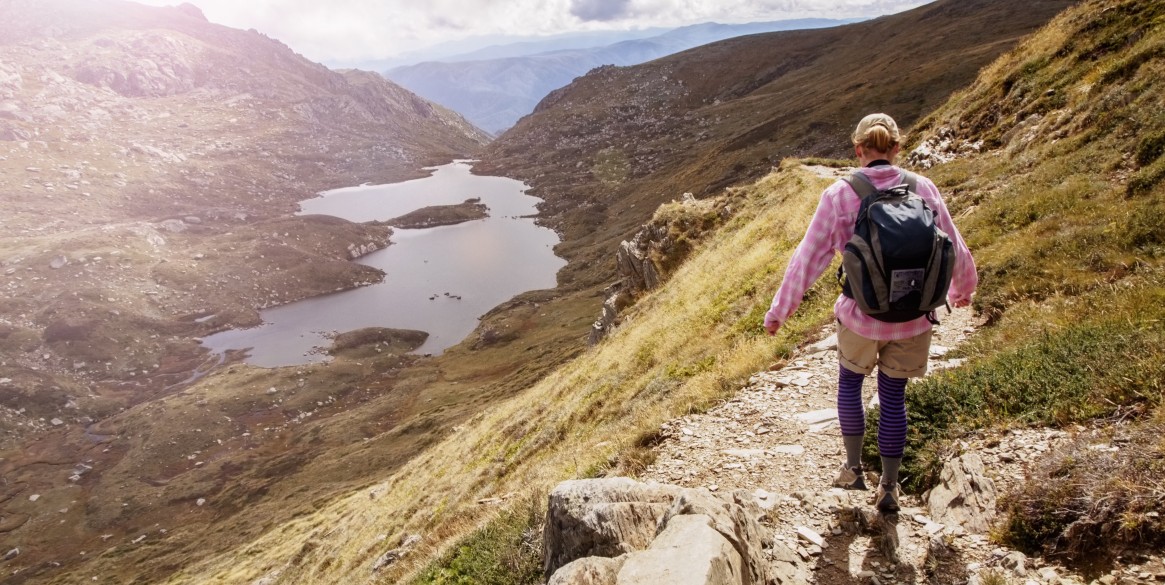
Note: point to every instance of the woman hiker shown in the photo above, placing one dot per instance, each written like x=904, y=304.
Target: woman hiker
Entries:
x=900, y=350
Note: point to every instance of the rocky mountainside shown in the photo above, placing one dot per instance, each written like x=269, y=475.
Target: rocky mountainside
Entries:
x=606, y=150
x=494, y=93
x=1052, y=164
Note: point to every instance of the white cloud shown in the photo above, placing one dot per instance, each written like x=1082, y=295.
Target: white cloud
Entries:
x=352, y=30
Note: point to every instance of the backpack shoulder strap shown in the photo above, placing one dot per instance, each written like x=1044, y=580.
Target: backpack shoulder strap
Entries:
x=910, y=180
x=861, y=184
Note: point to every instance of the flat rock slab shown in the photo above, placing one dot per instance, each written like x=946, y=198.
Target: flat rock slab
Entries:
x=818, y=416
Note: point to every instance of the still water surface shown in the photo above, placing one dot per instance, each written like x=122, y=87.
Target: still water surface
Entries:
x=484, y=262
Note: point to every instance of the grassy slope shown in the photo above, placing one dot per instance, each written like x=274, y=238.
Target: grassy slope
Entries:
x=1071, y=265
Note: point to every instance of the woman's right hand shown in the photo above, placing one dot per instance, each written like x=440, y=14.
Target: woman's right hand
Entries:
x=771, y=327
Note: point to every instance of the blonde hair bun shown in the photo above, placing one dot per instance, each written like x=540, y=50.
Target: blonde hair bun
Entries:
x=878, y=132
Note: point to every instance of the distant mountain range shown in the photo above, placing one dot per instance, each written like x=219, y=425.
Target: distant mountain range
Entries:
x=503, y=84
x=501, y=46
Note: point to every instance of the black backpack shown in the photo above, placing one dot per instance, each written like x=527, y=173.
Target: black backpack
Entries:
x=898, y=265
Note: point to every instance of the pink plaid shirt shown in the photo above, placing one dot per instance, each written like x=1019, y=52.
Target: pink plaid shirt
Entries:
x=832, y=226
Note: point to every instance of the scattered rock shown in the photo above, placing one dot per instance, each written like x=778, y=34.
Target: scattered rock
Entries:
x=394, y=555
x=794, y=450
x=174, y=226
x=1015, y=562
x=818, y=416
x=811, y=536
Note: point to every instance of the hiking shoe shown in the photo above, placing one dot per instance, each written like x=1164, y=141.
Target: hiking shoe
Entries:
x=850, y=478
x=886, y=500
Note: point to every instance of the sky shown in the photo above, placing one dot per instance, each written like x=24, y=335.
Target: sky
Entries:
x=339, y=31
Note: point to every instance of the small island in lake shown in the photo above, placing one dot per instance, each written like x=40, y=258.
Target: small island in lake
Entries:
x=438, y=215
x=372, y=340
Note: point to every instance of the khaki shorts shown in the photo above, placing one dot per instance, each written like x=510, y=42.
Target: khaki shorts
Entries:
x=903, y=358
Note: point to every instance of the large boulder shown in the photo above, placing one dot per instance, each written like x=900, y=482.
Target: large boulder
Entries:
x=661, y=534
x=965, y=496
x=603, y=517
x=736, y=517
x=690, y=551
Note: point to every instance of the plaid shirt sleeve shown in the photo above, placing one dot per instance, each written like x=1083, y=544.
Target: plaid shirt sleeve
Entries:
x=811, y=258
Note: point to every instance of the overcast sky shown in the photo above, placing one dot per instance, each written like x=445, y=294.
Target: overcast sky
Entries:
x=355, y=30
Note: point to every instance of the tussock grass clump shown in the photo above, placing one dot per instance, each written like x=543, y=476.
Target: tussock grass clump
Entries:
x=1089, y=503
x=506, y=551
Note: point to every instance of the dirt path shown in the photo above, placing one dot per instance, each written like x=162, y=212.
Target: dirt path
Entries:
x=779, y=438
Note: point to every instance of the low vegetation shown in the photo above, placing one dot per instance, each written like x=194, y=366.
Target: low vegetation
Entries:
x=1096, y=501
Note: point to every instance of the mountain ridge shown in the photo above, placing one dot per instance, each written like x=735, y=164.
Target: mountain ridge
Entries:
x=495, y=93
x=618, y=142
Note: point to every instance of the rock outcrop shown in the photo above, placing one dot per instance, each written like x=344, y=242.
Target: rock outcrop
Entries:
x=638, y=273
x=618, y=531
x=965, y=496
x=644, y=261
x=604, y=518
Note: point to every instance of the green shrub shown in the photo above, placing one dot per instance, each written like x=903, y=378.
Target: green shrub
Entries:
x=1150, y=148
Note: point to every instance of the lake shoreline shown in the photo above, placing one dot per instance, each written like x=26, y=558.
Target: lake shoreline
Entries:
x=452, y=261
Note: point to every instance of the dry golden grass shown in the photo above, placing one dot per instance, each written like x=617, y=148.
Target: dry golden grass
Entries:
x=573, y=423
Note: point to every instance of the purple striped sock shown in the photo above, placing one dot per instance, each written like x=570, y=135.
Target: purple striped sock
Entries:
x=850, y=412
x=892, y=420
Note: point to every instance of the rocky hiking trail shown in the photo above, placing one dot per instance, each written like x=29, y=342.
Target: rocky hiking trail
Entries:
x=779, y=440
